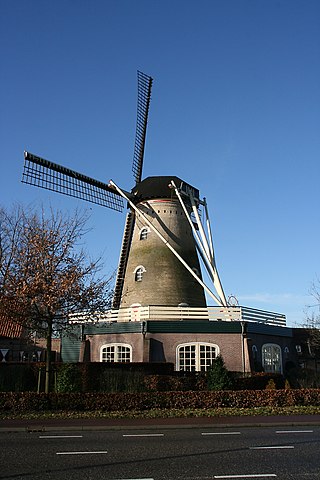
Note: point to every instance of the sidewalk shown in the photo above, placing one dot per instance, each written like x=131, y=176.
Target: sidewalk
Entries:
x=101, y=424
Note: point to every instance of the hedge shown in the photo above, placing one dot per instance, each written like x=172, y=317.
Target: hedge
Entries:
x=110, y=402
x=80, y=377
x=119, y=377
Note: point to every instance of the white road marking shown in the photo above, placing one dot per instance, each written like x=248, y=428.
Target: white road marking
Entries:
x=253, y=475
x=81, y=453
x=221, y=433
x=271, y=447
x=145, y=435
x=60, y=436
x=294, y=431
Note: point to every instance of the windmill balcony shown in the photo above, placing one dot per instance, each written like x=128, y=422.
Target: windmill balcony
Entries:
x=160, y=313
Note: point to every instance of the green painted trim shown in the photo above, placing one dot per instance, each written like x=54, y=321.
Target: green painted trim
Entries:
x=121, y=327
x=189, y=326
x=262, y=329
x=71, y=344
x=186, y=326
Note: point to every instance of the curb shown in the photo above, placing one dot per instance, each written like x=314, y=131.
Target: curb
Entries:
x=32, y=426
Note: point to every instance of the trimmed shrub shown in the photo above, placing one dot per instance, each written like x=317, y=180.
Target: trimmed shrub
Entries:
x=68, y=378
x=111, y=402
x=271, y=385
x=178, y=382
x=80, y=377
x=121, y=381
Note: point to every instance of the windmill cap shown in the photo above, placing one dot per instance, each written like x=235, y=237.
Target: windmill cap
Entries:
x=160, y=187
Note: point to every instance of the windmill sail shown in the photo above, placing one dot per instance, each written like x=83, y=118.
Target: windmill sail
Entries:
x=42, y=173
x=144, y=97
x=123, y=260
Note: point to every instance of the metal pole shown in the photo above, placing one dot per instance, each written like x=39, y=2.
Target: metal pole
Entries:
x=242, y=348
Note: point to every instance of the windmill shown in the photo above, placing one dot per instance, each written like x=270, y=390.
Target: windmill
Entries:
x=164, y=230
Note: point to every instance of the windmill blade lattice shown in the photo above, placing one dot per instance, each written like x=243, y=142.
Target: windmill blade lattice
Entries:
x=50, y=176
x=144, y=97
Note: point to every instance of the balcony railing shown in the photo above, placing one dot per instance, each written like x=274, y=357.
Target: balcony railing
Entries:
x=152, y=313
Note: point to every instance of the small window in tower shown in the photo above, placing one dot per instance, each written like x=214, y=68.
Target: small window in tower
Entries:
x=144, y=233
x=138, y=273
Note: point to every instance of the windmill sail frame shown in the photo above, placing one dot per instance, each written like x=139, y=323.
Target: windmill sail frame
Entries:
x=144, y=97
x=51, y=176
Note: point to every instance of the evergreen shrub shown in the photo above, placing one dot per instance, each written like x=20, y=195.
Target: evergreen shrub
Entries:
x=218, y=377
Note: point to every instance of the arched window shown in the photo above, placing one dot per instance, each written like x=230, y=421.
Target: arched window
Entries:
x=138, y=273
x=116, y=352
x=144, y=233
x=195, y=356
x=271, y=358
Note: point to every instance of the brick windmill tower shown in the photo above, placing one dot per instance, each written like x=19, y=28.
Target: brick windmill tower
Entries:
x=166, y=231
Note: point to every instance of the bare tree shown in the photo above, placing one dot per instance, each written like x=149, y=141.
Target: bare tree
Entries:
x=45, y=275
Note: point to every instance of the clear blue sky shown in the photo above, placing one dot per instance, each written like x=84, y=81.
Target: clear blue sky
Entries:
x=235, y=112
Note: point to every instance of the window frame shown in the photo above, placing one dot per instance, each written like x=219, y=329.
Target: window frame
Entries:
x=270, y=368
x=144, y=232
x=117, y=352
x=196, y=348
x=138, y=273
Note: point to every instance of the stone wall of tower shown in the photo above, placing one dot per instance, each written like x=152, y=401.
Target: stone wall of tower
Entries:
x=165, y=281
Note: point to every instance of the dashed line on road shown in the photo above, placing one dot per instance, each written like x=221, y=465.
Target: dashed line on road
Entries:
x=272, y=447
x=221, y=433
x=81, y=453
x=144, y=435
x=61, y=436
x=252, y=475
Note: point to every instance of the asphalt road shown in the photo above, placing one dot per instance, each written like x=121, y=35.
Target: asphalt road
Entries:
x=198, y=453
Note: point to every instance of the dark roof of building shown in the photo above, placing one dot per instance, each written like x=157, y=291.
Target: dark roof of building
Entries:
x=185, y=326
x=158, y=187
